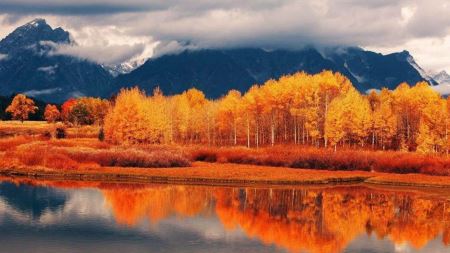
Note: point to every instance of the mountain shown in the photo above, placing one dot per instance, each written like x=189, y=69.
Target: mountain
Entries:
x=442, y=77
x=443, y=80
x=217, y=71
x=29, y=64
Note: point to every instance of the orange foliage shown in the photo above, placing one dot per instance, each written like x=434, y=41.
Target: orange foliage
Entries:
x=21, y=107
x=51, y=113
x=312, y=220
x=326, y=159
x=318, y=110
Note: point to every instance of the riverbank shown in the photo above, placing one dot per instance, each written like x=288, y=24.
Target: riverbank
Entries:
x=202, y=173
x=28, y=151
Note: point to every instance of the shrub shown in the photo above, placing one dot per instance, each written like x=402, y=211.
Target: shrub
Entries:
x=327, y=159
x=60, y=133
x=101, y=134
x=130, y=158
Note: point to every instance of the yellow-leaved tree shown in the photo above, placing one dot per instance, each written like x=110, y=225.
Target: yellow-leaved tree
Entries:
x=348, y=118
x=136, y=119
x=432, y=136
x=21, y=107
x=229, y=113
x=384, y=119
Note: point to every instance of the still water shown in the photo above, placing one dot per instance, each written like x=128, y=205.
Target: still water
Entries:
x=38, y=216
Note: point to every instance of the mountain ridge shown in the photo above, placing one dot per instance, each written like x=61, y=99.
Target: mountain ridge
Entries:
x=29, y=64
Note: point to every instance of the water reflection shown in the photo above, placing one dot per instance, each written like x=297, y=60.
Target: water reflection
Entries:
x=200, y=219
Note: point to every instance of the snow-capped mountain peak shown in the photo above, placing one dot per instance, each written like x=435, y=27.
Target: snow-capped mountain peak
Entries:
x=443, y=80
x=419, y=69
x=442, y=77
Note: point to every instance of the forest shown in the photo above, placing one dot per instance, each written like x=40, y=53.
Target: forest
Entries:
x=321, y=110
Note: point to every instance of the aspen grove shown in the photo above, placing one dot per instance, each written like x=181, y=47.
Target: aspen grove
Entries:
x=322, y=110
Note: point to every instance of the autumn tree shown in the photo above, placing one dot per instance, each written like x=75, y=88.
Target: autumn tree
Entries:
x=137, y=119
x=51, y=113
x=384, y=119
x=66, y=109
x=229, y=113
x=348, y=118
x=432, y=135
x=21, y=107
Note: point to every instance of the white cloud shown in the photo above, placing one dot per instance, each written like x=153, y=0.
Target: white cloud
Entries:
x=430, y=53
x=3, y=57
x=35, y=93
x=108, y=55
x=102, y=54
x=48, y=69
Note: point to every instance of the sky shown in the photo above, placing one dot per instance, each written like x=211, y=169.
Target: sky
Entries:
x=113, y=31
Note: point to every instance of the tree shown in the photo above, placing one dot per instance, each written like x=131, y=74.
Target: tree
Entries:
x=21, y=107
x=334, y=124
x=432, y=130
x=79, y=114
x=138, y=119
x=348, y=118
x=127, y=122
x=51, y=113
x=66, y=109
x=384, y=119
x=229, y=114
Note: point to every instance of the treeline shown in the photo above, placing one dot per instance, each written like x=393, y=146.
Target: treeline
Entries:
x=322, y=110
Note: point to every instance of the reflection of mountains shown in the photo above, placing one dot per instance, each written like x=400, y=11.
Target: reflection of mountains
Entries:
x=314, y=220
x=32, y=200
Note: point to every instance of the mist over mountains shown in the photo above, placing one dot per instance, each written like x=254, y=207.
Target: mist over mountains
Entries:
x=31, y=63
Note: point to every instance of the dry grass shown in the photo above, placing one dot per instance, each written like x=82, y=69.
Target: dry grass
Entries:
x=85, y=153
x=83, y=132
x=42, y=128
x=27, y=128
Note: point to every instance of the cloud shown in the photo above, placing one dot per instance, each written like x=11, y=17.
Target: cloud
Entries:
x=108, y=55
x=291, y=24
x=49, y=69
x=34, y=93
x=114, y=54
x=3, y=57
x=81, y=8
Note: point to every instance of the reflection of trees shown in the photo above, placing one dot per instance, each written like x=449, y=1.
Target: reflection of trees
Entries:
x=324, y=220
x=155, y=203
x=312, y=220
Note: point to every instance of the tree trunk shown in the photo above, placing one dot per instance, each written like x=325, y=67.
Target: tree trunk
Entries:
x=248, y=132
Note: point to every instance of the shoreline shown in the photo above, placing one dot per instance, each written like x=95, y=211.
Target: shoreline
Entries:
x=202, y=173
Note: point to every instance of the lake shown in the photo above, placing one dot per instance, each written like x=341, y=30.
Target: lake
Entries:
x=39, y=216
